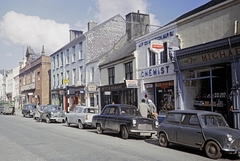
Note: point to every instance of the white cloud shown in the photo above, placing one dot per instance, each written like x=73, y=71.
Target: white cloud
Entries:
x=32, y=31
x=110, y=8
x=9, y=55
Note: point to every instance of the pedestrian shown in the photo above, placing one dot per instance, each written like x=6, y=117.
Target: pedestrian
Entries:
x=152, y=109
x=13, y=110
x=39, y=112
x=143, y=108
x=113, y=102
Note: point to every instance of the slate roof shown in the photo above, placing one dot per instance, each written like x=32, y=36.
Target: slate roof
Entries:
x=197, y=10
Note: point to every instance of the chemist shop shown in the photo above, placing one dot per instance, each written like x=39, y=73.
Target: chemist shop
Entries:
x=159, y=86
x=208, y=74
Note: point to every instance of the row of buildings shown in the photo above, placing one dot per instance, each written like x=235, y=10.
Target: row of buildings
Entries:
x=190, y=63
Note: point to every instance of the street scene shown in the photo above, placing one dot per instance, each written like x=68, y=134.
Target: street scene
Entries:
x=23, y=139
x=120, y=80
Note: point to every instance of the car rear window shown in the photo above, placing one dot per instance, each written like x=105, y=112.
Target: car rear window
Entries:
x=173, y=118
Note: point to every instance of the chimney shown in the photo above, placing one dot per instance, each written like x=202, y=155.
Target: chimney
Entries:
x=43, y=52
x=74, y=34
x=91, y=25
x=137, y=24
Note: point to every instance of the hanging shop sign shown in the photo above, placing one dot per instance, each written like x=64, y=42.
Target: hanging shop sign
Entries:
x=107, y=93
x=92, y=87
x=65, y=81
x=156, y=46
x=131, y=83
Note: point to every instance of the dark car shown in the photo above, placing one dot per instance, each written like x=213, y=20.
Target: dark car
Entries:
x=203, y=130
x=53, y=113
x=124, y=119
x=28, y=109
x=1, y=109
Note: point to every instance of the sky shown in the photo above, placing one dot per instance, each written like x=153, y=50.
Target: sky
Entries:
x=38, y=23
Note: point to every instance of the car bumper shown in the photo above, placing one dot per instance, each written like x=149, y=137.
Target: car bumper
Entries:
x=143, y=132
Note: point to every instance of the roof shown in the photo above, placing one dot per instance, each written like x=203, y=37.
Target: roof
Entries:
x=197, y=10
x=193, y=112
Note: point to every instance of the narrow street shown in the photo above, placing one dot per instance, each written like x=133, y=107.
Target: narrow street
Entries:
x=23, y=139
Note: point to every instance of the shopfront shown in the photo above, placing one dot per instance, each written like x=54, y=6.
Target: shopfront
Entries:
x=118, y=93
x=208, y=77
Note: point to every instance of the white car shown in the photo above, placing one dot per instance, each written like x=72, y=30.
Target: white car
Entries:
x=81, y=116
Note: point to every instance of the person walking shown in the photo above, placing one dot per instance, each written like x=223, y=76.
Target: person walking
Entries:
x=39, y=112
x=143, y=108
x=153, y=110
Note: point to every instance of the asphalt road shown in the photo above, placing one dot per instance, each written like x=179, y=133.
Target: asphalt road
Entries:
x=23, y=139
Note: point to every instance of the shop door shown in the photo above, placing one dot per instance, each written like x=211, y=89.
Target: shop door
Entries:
x=165, y=99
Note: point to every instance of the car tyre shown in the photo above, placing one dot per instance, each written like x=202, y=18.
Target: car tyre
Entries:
x=99, y=129
x=48, y=120
x=80, y=125
x=212, y=150
x=67, y=123
x=163, y=142
x=124, y=132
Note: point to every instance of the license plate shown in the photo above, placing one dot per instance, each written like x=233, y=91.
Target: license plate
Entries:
x=145, y=134
x=59, y=120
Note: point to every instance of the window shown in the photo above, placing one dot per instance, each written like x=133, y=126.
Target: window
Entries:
x=92, y=74
x=57, y=80
x=111, y=75
x=57, y=61
x=81, y=74
x=67, y=56
x=73, y=76
x=38, y=75
x=61, y=78
x=53, y=80
x=152, y=58
x=163, y=54
x=54, y=62
x=67, y=75
x=129, y=71
x=61, y=58
x=73, y=54
x=33, y=76
x=173, y=118
x=80, y=51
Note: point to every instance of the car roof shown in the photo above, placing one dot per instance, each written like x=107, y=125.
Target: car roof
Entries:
x=200, y=112
x=86, y=107
x=121, y=105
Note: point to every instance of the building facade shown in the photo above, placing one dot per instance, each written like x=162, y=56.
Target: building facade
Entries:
x=208, y=64
x=69, y=79
x=34, y=78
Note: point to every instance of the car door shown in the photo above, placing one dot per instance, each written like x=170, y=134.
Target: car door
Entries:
x=190, y=131
x=112, y=119
x=172, y=125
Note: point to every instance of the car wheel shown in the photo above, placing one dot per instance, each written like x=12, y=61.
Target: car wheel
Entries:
x=99, y=129
x=213, y=150
x=80, y=125
x=163, y=140
x=124, y=132
x=67, y=123
x=48, y=120
x=28, y=115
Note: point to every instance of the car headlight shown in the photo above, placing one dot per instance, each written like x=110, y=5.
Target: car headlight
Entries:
x=229, y=137
x=156, y=123
x=52, y=113
x=134, y=122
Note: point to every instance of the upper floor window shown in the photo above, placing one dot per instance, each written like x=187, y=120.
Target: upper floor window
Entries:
x=111, y=75
x=33, y=76
x=67, y=75
x=92, y=74
x=67, y=56
x=54, y=62
x=61, y=58
x=81, y=74
x=129, y=71
x=163, y=55
x=61, y=78
x=57, y=61
x=80, y=56
x=152, y=58
x=57, y=80
x=74, y=76
x=73, y=54
x=54, y=80
x=38, y=75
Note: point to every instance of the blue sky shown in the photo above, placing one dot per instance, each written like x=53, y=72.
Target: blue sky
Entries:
x=47, y=22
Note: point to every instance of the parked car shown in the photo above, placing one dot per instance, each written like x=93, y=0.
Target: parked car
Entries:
x=81, y=116
x=36, y=114
x=1, y=109
x=53, y=113
x=203, y=130
x=8, y=110
x=28, y=109
x=125, y=120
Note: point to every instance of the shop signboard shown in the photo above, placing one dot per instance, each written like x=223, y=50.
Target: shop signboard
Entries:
x=92, y=87
x=131, y=83
x=156, y=46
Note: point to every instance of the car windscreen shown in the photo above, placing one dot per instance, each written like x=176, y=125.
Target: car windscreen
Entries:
x=130, y=111
x=213, y=120
x=53, y=108
x=90, y=110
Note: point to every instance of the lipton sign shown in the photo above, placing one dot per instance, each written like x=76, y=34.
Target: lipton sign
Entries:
x=156, y=46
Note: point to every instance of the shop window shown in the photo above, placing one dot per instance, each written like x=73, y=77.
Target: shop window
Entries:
x=111, y=75
x=129, y=71
x=164, y=53
x=91, y=99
